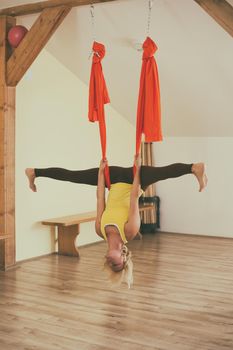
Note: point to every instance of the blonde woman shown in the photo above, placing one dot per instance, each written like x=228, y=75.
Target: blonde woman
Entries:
x=118, y=219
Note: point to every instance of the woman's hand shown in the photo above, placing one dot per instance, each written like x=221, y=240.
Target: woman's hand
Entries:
x=103, y=164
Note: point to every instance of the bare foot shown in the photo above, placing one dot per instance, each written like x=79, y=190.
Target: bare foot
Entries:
x=31, y=178
x=198, y=169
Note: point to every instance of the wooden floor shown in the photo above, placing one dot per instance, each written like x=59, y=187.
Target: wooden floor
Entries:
x=182, y=299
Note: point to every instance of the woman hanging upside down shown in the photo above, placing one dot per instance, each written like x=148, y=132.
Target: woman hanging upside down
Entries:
x=118, y=220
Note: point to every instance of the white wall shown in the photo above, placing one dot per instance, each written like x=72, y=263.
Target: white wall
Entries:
x=52, y=130
x=183, y=208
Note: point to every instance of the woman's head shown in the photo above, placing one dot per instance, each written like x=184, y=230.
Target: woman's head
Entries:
x=119, y=265
x=114, y=259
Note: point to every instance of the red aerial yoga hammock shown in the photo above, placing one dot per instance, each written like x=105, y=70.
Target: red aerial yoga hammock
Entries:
x=98, y=97
x=148, y=111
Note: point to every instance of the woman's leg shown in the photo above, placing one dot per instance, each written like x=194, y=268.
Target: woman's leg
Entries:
x=150, y=174
x=88, y=177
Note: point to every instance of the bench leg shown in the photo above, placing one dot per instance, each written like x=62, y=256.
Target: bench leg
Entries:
x=66, y=240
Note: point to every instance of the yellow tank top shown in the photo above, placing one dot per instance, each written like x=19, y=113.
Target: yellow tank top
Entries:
x=117, y=208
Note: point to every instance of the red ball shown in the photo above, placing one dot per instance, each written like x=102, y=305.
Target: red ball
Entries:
x=16, y=35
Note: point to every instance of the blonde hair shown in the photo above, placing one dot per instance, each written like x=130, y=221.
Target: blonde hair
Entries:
x=126, y=274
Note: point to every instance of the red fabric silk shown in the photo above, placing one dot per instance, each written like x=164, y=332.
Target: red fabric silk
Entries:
x=148, y=112
x=98, y=97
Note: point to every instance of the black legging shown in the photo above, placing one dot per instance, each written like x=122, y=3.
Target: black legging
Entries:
x=148, y=174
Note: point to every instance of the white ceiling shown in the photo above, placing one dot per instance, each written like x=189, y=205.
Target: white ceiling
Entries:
x=194, y=59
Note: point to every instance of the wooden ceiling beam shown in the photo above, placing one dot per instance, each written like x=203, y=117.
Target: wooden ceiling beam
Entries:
x=40, y=6
x=221, y=11
x=34, y=41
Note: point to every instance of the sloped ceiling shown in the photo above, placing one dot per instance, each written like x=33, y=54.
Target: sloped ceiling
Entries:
x=194, y=58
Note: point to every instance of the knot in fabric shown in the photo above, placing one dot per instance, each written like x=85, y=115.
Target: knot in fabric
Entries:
x=149, y=48
x=98, y=52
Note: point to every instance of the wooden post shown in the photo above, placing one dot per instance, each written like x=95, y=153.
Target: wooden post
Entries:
x=148, y=218
x=12, y=68
x=147, y=159
x=7, y=154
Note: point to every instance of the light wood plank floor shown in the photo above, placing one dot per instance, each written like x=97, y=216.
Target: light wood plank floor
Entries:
x=181, y=299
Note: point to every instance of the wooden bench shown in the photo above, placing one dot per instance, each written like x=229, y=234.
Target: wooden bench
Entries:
x=68, y=228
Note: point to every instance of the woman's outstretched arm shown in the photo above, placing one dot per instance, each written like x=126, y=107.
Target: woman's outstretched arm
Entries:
x=100, y=194
x=133, y=224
